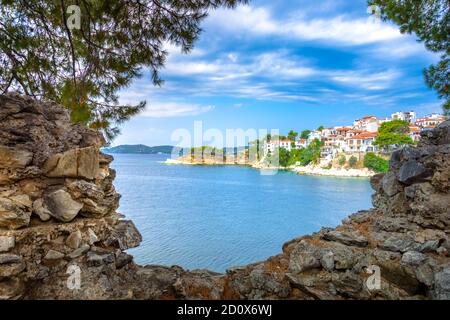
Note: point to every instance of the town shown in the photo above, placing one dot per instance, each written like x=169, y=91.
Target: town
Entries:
x=358, y=138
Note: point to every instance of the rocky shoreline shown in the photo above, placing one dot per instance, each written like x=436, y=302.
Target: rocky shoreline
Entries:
x=59, y=223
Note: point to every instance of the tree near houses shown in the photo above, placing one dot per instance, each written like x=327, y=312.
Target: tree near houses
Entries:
x=305, y=134
x=393, y=133
x=430, y=21
x=292, y=135
x=84, y=67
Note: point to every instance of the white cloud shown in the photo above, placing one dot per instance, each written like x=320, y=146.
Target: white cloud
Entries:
x=155, y=109
x=340, y=29
x=366, y=80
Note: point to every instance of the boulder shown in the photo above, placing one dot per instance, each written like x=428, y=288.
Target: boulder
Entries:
x=390, y=185
x=442, y=284
x=412, y=171
x=74, y=240
x=349, y=238
x=92, y=237
x=10, y=265
x=413, y=258
x=7, y=243
x=79, y=252
x=124, y=236
x=96, y=260
x=304, y=257
x=79, y=162
x=38, y=208
x=53, y=255
x=61, y=206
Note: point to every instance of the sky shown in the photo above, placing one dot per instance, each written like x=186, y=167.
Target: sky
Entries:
x=282, y=64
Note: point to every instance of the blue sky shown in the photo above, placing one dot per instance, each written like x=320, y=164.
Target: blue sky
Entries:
x=283, y=65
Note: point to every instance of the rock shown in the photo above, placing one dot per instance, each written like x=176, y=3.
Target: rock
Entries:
x=10, y=265
x=124, y=236
x=303, y=258
x=399, y=243
x=375, y=181
x=429, y=246
x=348, y=238
x=123, y=259
x=327, y=261
x=53, y=255
x=61, y=206
x=7, y=243
x=39, y=209
x=74, y=239
x=96, y=260
x=13, y=215
x=79, y=252
x=442, y=284
x=92, y=237
x=11, y=288
x=412, y=171
x=389, y=184
x=413, y=258
x=11, y=158
x=80, y=162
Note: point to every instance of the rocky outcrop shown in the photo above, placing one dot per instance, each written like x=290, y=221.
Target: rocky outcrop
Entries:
x=62, y=238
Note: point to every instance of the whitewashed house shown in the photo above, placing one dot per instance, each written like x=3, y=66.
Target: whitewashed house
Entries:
x=362, y=142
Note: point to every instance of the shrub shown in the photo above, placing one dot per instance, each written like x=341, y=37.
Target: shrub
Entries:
x=375, y=163
x=352, y=161
x=342, y=160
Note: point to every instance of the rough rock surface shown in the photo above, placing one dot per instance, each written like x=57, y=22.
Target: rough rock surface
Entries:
x=47, y=242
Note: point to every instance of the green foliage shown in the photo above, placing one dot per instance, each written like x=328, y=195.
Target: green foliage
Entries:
x=320, y=128
x=305, y=134
x=292, y=135
x=283, y=157
x=84, y=69
x=342, y=160
x=429, y=20
x=393, y=133
x=375, y=163
x=352, y=161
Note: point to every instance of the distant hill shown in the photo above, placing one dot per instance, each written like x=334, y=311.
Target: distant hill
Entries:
x=139, y=149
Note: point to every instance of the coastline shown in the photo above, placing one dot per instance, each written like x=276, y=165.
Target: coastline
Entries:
x=302, y=170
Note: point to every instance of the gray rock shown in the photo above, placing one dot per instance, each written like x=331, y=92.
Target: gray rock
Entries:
x=413, y=258
x=123, y=259
x=79, y=162
x=442, y=284
x=303, y=258
x=399, y=243
x=124, y=236
x=327, y=261
x=6, y=258
x=53, y=255
x=61, y=206
x=11, y=265
x=74, y=240
x=347, y=238
x=429, y=246
x=79, y=252
x=413, y=171
x=7, y=243
x=390, y=185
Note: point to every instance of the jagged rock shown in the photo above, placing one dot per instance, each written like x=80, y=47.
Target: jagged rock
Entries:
x=124, y=236
x=303, y=258
x=399, y=243
x=79, y=162
x=390, y=185
x=11, y=288
x=61, y=206
x=12, y=214
x=123, y=259
x=412, y=171
x=327, y=261
x=348, y=238
x=7, y=243
x=74, y=240
x=53, y=255
x=11, y=158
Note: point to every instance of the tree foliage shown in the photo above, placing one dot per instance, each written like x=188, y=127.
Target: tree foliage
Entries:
x=375, y=163
x=84, y=69
x=305, y=134
x=393, y=132
x=352, y=161
x=430, y=21
x=292, y=135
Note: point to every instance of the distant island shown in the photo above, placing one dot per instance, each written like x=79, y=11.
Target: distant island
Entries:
x=140, y=149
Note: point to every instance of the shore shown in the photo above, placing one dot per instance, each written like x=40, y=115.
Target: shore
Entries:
x=309, y=170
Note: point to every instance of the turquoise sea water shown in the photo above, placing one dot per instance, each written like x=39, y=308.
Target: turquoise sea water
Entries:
x=224, y=216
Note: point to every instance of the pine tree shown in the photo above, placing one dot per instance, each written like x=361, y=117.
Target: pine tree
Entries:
x=45, y=54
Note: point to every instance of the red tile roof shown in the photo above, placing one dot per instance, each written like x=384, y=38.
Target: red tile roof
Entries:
x=365, y=135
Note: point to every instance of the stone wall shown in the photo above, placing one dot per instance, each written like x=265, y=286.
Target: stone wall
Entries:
x=58, y=213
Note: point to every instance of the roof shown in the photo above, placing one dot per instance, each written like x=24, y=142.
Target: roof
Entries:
x=343, y=129
x=365, y=135
x=369, y=117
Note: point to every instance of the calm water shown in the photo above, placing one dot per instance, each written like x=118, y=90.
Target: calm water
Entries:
x=219, y=217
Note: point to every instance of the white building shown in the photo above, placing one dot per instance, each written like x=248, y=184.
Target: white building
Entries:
x=362, y=142
x=314, y=135
x=409, y=116
x=430, y=121
x=271, y=146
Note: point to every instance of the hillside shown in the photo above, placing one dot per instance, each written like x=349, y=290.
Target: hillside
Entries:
x=139, y=148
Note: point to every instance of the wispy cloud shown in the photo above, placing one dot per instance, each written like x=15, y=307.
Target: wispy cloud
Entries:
x=173, y=109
